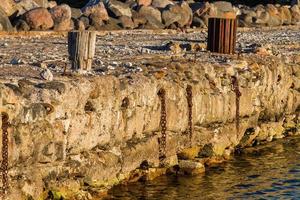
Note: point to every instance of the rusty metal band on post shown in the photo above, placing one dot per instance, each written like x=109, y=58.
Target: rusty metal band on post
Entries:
x=222, y=35
x=4, y=164
x=235, y=85
x=163, y=125
x=189, y=96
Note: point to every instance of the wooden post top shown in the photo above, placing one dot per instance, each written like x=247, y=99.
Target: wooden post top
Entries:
x=225, y=15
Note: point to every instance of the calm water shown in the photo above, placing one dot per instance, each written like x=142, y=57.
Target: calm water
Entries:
x=267, y=172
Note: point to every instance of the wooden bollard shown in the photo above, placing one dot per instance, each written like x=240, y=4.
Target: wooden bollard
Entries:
x=81, y=47
x=222, y=35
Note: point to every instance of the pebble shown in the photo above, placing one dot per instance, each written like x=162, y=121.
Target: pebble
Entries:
x=46, y=74
x=110, y=67
x=114, y=63
x=99, y=62
x=16, y=61
x=43, y=65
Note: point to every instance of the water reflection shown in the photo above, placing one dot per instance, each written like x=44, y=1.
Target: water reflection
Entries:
x=271, y=171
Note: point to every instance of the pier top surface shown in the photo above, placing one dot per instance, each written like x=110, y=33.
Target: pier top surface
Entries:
x=123, y=53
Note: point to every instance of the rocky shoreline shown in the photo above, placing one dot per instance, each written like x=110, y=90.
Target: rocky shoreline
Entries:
x=76, y=136
x=98, y=15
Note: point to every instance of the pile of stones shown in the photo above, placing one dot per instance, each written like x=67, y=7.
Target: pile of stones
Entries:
x=65, y=15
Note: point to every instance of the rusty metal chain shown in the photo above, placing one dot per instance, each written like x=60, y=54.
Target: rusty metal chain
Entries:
x=189, y=96
x=4, y=164
x=235, y=85
x=163, y=125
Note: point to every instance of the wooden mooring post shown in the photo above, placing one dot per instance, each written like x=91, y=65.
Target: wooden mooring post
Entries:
x=222, y=35
x=81, y=47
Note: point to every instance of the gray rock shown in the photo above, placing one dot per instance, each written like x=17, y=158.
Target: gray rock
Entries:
x=186, y=14
x=150, y=13
x=96, y=22
x=5, y=23
x=119, y=9
x=171, y=15
x=190, y=167
x=85, y=20
x=223, y=6
x=247, y=19
x=262, y=19
x=61, y=16
x=76, y=13
x=198, y=22
x=180, y=14
x=97, y=11
x=126, y=22
x=138, y=19
x=26, y=5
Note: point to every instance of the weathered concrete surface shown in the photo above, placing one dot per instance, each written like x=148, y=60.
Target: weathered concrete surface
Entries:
x=80, y=134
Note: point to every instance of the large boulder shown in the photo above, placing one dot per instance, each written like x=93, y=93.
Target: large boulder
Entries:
x=161, y=3
x=150, y=13
x=180, y=14
x=61, y=16
x=97, y=12
x=262, y=18
x=9, y=7
x=151, y=16
x=223, y=6
x=186, y=14
x=39, y=19
x=16, y=8
x=274, y=19
x=295, y=12
x=138, y=19
x=4, y=22
x=118, y=9
x=171, y=15
x=285, y=15
x=247, y=18
x=76, y=13
x=222, y=9
x=126, y=22
x=26, y=5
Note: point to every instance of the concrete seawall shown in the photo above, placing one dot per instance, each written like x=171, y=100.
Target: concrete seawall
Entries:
x=78, y=136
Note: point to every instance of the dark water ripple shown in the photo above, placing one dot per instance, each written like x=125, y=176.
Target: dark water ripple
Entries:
x=271, y=171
